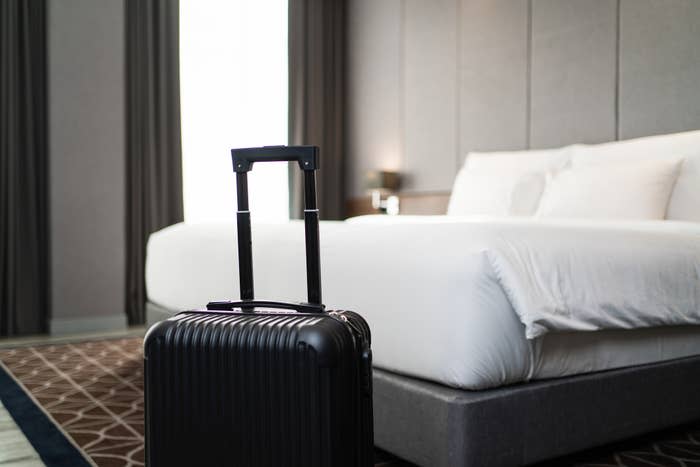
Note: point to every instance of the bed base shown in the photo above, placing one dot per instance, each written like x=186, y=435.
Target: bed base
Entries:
x=436, y=426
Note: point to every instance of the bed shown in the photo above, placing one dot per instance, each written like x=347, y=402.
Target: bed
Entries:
x=475, y=361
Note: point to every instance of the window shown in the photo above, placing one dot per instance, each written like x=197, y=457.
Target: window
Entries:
x=233, y=86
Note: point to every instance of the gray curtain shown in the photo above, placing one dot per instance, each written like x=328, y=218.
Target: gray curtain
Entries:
x=154, y=153
x=24, y=212
x=317, y=98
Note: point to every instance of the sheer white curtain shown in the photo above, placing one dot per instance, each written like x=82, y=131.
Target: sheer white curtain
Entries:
x=233, y=85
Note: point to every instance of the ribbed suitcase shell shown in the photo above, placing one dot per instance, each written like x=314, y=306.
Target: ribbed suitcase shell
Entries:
x=259, y=389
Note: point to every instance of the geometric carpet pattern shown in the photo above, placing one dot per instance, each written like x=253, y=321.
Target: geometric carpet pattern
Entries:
x=94, y=392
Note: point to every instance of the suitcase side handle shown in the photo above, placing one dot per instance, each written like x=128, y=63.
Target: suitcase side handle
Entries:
x=307, y=157
x=249, y=305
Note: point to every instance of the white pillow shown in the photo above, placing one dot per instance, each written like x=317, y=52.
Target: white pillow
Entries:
x=531, y=160
x=613, y=191
x=495, y=193
x=685, y=199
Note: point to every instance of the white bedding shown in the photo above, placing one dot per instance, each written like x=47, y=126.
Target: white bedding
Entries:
x=437, y=306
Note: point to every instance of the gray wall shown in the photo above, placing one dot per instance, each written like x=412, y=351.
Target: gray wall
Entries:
x=86, y=123
x=432, y=80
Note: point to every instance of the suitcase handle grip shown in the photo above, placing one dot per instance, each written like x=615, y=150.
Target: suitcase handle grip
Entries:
x=307, y=157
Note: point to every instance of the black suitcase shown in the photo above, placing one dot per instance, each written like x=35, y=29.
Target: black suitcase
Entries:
x=261, y=383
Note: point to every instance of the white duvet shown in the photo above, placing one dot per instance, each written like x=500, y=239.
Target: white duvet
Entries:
x=588, y=275
x=466, y=302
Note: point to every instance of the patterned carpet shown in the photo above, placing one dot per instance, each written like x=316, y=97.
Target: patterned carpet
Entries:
x=94, y=391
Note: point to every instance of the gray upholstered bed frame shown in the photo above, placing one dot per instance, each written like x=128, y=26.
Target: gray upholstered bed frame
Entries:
x=437, y=426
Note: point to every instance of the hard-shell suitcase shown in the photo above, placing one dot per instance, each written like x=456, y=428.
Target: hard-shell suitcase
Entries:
x=261, y=383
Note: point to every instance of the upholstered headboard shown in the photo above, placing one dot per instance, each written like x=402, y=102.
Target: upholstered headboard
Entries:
x=430, y=82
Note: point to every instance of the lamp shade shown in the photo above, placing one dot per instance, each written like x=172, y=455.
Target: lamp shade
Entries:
x=382, y=180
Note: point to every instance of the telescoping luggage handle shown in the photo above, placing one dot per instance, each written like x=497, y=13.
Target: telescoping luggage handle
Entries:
x=243, y=160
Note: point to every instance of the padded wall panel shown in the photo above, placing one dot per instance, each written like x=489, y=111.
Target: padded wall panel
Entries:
x=430, y=94
x=374, y=54
x=659, y=66
x=573, y=72
x=493, y=75
x=430, y=81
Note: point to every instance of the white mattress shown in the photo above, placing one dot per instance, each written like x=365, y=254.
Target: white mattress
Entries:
x=436, y=311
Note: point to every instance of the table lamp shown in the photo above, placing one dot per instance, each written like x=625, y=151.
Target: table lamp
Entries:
x=382, y=186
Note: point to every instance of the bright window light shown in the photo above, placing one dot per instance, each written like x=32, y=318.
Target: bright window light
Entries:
x=233, y=88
